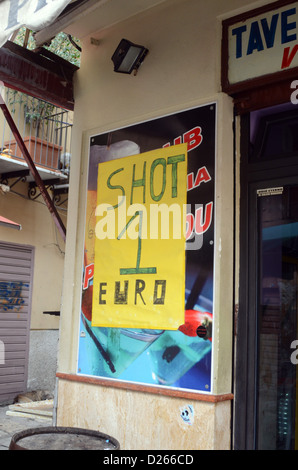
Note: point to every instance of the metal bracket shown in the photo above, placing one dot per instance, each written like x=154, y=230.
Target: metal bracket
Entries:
x=20, y=175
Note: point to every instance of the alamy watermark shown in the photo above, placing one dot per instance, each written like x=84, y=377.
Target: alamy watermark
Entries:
x=156, y=221
x=294, y=355
x=294, y=344
x=294, y=94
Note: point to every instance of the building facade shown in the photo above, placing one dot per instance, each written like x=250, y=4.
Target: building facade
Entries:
x=218, y=81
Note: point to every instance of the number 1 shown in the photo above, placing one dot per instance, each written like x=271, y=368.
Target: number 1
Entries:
x=137, y=269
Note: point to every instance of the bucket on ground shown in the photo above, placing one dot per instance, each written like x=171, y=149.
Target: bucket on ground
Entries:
x=62, y=438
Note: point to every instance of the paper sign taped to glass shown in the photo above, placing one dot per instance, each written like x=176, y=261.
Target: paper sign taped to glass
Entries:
x=140, y=220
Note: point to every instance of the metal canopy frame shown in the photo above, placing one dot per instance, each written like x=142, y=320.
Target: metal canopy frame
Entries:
x=38, y=73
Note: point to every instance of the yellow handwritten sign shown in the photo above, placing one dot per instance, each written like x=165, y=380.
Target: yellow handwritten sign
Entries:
x=139, y=265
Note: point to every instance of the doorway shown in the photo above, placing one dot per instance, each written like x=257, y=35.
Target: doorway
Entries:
x=266, y=394
x=277, y=281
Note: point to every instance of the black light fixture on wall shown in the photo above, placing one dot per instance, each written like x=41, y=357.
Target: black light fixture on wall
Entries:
x=128, y=57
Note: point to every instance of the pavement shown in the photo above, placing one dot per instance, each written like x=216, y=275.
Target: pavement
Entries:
x=10, y=425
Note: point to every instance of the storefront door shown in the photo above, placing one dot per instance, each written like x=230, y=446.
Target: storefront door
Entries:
x=266, y=393
x=276, y=328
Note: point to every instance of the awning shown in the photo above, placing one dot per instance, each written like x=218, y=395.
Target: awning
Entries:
x=33, y=14
x=9, y=223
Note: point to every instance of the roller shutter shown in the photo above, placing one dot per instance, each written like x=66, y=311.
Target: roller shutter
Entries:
x=16, y=274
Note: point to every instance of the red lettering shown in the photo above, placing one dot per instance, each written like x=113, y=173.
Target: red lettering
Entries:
x=193, y=138
x=202, y=227
x=288, y=58
x=88, y=275
x=202, y=176
x=190, y=177
x=177, y=141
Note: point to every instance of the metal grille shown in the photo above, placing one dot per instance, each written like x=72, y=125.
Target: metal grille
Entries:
x=45, y=129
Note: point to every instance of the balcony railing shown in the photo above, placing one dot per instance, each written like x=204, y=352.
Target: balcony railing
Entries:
x=45, y=129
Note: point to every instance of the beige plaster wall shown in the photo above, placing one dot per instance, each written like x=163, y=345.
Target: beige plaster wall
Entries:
x=143, y=421
x=38, y=230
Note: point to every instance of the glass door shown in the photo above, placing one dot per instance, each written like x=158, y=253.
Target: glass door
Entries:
x=276, y=396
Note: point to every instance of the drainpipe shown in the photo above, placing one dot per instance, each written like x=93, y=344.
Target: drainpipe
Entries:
x=33, y=169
